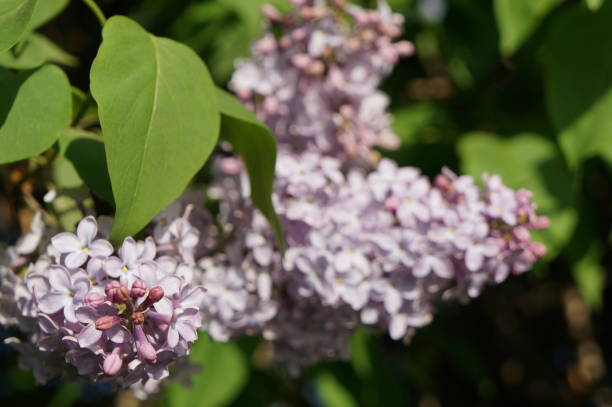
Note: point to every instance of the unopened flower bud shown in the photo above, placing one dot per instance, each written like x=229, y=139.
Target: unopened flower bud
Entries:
x=541, y=222
x=139, y=288
x=112, y=364
x=538, y=249
x=405, y=48
x=521, y=234
x=111, y=290
x=271, y=12
x=123, y=294
x=156, y=294
x=107, y=322
x=94, y=299
x=145, y=350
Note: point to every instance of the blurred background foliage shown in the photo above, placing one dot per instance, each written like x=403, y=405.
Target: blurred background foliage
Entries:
x=517, y=87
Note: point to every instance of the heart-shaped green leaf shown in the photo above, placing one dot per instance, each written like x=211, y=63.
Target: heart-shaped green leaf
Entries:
x=257, y=147
x=15, y=16
x=35, y=108
x=159, y=117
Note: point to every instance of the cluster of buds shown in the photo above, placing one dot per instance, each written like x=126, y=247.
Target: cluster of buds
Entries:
x=314, y=75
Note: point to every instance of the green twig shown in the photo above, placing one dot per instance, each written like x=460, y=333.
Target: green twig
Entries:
x=96, y=10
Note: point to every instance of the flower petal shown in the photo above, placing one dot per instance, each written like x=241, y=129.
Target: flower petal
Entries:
x=100, y=248
x=113, y=267
x=53, y=302
x=75, y=259
x=87, y=230
x=173, y=336
x=89, y=336
x=59, y=279
x=129, y=252
x=171, y=285
x=66, y=242
x=186, y=331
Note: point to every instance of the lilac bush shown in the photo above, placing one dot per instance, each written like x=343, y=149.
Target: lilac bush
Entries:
x=369, y=243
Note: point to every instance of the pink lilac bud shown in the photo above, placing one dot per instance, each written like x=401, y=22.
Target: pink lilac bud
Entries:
x=156, y=294
x=139, y=288
x=521, y=234
x=112, y=363
x=538, y=249
x=123, y=294
x=107, y=322
x=271, y=12
x=94, y=299
x=145, y=350
x=111, y=290
x=541, y=222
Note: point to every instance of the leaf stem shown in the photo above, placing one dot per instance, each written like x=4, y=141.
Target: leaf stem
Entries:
x=96, y=10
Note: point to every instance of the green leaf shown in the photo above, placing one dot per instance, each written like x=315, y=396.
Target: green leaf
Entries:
x=45, y=11
x=159, y=116
x=518, y=19
x=224, y=374
x=590, y=276
x=85, y=151
x=532, y=162
x=594, y=5
x=578, y=82
x=35, y=108
x=35, y=51
x=257, y=146
x=15, y=16
x=332, y=392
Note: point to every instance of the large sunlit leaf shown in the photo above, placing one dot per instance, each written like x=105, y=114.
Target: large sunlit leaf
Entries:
x=257, y=147
x=578, y=82
x=35, y=51
x=532, y=162
x=224, y=373
x=159, y=117
x=518, y=19
x=15, y=16
x=35, y=108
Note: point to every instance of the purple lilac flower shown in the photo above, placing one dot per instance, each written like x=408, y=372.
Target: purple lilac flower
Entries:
x=314, y=83
x=125, y=318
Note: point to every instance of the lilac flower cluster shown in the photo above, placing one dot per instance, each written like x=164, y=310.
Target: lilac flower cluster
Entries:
x=369, y=243
x=123, y=317
x=378, y=249
x=313, y=77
